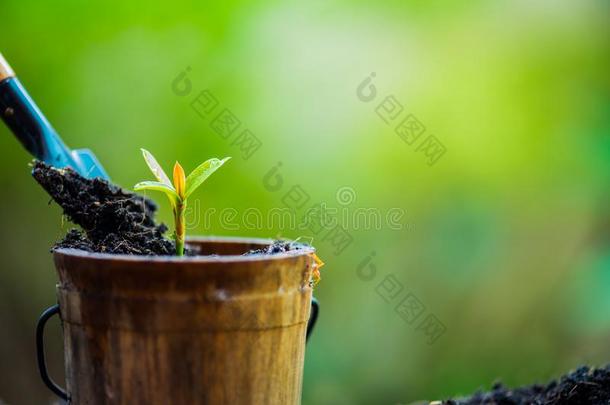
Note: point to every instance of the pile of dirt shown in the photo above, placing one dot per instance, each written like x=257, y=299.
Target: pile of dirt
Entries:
x=112, y=220
x=582, y=386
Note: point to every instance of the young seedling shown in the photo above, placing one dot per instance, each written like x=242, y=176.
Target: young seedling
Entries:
x=178, y=192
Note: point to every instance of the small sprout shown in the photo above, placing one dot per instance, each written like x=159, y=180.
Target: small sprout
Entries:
x=178, y=191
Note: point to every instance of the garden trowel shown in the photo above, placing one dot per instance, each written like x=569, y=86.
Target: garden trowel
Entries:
x=26, y=121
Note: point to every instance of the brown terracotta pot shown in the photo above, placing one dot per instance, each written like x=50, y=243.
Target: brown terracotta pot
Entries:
x=226, y=329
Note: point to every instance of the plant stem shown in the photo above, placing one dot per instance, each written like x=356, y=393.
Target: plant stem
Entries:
x=179, y=218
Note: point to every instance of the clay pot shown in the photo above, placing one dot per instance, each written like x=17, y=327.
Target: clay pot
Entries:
x=225, y=329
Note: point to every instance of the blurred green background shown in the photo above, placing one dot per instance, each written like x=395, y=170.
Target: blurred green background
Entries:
x=506, y=238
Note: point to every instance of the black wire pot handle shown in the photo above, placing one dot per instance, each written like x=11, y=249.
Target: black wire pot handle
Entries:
x=313, y=318
x=54, y=310
x=42, y=363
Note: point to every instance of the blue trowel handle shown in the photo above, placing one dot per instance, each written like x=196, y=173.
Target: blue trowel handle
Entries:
x=26, y=121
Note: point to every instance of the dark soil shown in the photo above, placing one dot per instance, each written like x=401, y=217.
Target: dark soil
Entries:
x=112, y=220
x=278, y=246
x=582, y=386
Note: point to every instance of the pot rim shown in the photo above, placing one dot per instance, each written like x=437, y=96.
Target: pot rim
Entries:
x=304, y=251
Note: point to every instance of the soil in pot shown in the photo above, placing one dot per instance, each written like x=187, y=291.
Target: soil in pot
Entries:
x=113, y=220
x=582, y=386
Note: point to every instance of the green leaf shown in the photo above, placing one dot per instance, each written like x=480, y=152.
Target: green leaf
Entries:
x=157, y=186
x=156, y=168
x=201, y=173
